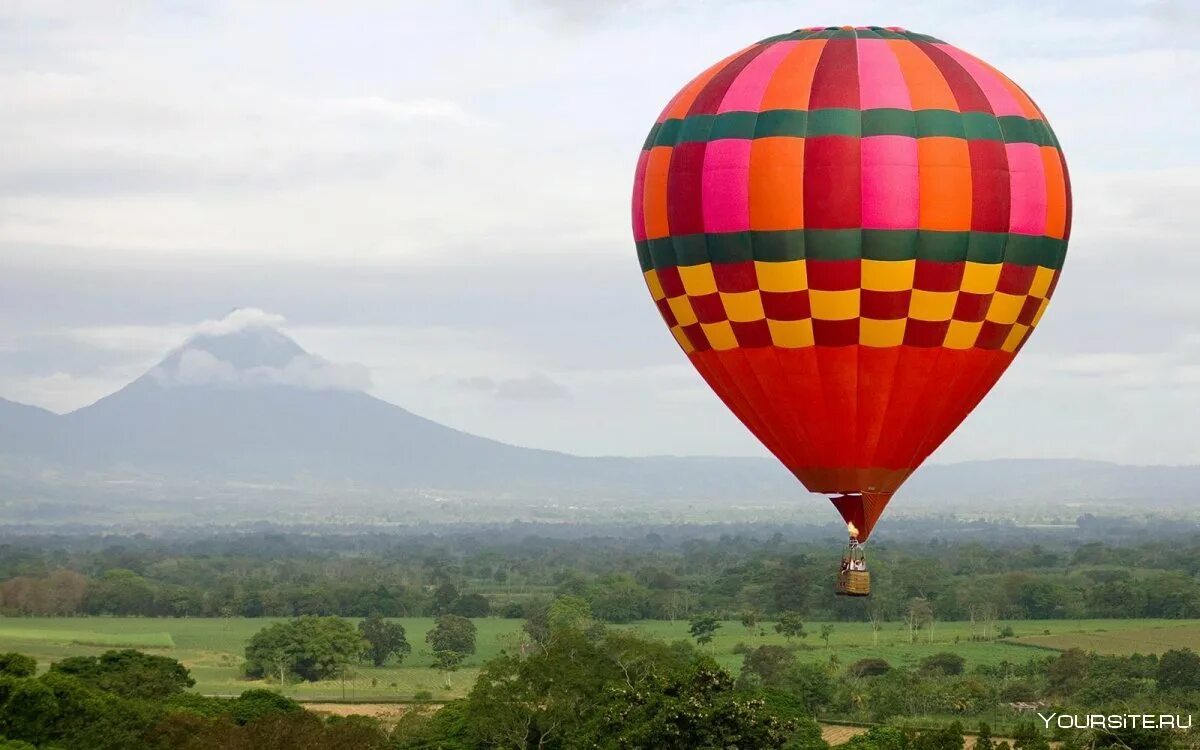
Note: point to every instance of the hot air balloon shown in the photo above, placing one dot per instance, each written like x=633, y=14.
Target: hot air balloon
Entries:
x=851, y=232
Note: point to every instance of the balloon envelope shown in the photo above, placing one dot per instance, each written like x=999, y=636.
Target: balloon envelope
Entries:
x=851, y=232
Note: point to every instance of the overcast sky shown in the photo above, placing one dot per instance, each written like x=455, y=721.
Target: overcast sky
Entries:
x=438, y=192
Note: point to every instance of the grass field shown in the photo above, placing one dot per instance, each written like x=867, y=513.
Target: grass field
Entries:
x=212, y=648
x=1150, y=639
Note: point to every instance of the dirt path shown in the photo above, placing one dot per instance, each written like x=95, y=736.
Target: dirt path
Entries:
x=388, y=713
x=838, y=734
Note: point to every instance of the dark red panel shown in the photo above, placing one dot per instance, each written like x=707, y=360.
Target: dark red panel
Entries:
x=989, y=186
x=1029, y=310
x=834, y=275
x=684, y=201
x=992, y=335
x=832, y=183
x=668, y=279
x=925, y=333
x=708, y=307
x=937, y=276
x=753, y=333
x=835, y=332
x=885, y=305
x=835, y=79
x=966, y=92
x=1015, y=279
x=970, y=307
x=735, y=277
x=786, y=305
x=695, y=334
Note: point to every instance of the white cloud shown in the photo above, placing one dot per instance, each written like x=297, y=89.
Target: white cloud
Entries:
x=239, y=320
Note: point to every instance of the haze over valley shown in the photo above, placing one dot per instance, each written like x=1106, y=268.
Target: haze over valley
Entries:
x=244, y=421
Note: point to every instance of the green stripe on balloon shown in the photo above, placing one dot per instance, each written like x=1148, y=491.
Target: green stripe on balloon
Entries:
x=846, y=244
x=797, y=123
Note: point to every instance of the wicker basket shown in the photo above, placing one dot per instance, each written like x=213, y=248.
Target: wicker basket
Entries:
x=853, y=583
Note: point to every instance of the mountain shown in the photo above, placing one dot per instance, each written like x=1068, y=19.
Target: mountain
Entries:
x=247, y=406
x=25, y=430
x=251, y=405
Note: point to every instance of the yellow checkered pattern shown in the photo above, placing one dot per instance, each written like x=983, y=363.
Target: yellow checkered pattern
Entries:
x=933, y=312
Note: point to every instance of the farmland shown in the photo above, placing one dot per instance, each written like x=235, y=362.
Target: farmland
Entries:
x=212, y=647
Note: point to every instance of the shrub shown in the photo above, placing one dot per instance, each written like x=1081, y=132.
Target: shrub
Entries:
x=17, y=665
x=1018, y=691
x=254, y=704
x=869, y=667
x=512, y=611
x=945, y=663
x=129, y=673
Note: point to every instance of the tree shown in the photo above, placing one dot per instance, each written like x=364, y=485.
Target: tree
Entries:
x=617, y=690
x=749, y=620
x=792, y=584
x=693, y=709
x=945, y=738
x=919, y=615
x=869, y=667
x=257, y=703
x=703, y=628
x=566, y=612
x=876, y=616
x=1178, y=669
x=619, y=599
x=527, y=702
x=769, y=664
x=811, y=685
x=983, y=738
x=1029, y=737
x=17, y=665
x=384, y=639
x=826, y=632
x=878, y=738
x=471, y=605
x=790, y=626
x=452, y=639
x=984, y=615
x=944, y=663
x=1066, y=674
x=120, y=592
x=60, y=710
x=128, y=673
x=310, y=647
x=443, y=598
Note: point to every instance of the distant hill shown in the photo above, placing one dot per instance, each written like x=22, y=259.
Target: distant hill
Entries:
x=251, y=406
x=27, y=430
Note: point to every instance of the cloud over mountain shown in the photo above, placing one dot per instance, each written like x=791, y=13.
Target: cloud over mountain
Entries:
x=246, y=350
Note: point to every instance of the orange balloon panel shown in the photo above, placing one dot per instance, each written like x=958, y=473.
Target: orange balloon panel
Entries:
x=851, y=232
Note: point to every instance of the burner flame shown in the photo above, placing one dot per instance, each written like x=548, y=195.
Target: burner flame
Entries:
x=852, y=529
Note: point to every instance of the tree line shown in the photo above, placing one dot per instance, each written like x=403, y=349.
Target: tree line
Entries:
x=622, y=579
x=578, y=684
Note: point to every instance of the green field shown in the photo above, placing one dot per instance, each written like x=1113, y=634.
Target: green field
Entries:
x=212, y=648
